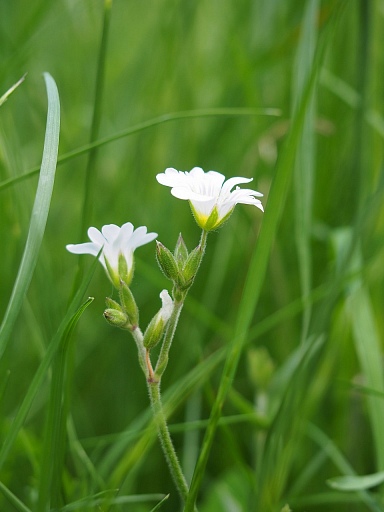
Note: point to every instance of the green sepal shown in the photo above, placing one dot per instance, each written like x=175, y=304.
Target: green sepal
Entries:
x=153, y=332
x=223, y=220
x=129, y=304
x=116, y=318
x=113, y=276
x=213, y=220
x=112, y=304
x=192, y=265
x=125, y=273
x=166, y=262
x=181, y=252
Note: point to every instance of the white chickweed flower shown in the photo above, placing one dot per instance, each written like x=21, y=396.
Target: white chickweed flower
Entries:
x=167, y=306
x=118, y=245
x=209, y=195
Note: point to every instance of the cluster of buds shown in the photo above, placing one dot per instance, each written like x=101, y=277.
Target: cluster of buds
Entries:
x=180, y=267
x=126, y=314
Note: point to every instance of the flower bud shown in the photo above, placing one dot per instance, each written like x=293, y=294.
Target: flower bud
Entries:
x=156, y=326
x=112, y=304
x=129, y=304
x=166, y=262
x=181, y=252
x=260, y=367
x=192, y=265
x=115, y=317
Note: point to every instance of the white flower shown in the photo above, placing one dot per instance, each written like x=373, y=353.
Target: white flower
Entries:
x=210, y=196
x=118, y=245
x=167, y=306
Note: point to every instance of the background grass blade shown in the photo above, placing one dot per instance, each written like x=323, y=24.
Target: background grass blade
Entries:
x=6, y=95
x=17, y=504
x=41, y=372
x=39, y=214
x=55, y=440
x=145, y=125
x=304, y=172
x=250, y=296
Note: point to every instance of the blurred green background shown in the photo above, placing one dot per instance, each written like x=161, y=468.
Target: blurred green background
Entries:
x=324, y=280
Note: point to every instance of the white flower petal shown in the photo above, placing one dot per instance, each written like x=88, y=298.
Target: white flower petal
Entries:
x=229, y=184
x=124, y=236
x=85, y=248
x=110, y=232
x=167, y=305
x=171, y=178
x=190, y=195
x=96, y=237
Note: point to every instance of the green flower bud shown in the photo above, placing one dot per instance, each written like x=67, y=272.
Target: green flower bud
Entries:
x=192, y=265
x=129, y=304
x=166, y=262
x=112, y=304
x=156, y=327
x=260, y=367
x=181, y=252
x=116, y=318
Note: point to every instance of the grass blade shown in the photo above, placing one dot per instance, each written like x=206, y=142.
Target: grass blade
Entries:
x=54, y=444
x=305, y=160
x=6, y=95
x=41, y=372
x=156, y=121
x=257, y=267
x=19, y=505
x=39, y=213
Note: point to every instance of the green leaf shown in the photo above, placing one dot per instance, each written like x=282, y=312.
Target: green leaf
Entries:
x=41, y=372
x=259, y=261
x=350, y=483
x=19, y=505
x=165, y=118
x=39, y=214
x=5, y=96
x=54, y=439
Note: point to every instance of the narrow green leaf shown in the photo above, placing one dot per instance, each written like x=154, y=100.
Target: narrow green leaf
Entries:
x=351, y=483
x=5, y=96
x=304, y=171
x=160, y=504
x=19, y=505
x=54, y=439
x=39, y=214
x=258, y=264
x=99, y=499
x=165, y=118
x=41, y=372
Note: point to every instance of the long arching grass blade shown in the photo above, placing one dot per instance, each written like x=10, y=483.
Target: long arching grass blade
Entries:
x=41, y=372
x=156, y=121
x=39, y=213
x=52, y=467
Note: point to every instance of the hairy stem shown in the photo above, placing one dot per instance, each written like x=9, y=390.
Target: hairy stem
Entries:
x=166, y=441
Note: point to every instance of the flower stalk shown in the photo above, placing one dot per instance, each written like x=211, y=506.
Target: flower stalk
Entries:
x=166, y=441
